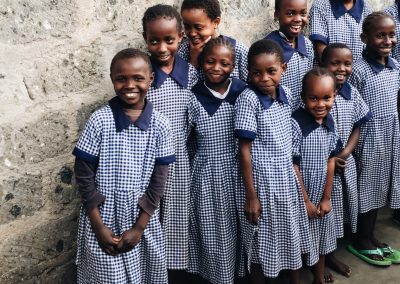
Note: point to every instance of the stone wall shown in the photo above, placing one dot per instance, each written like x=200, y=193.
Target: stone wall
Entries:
x=54, y=61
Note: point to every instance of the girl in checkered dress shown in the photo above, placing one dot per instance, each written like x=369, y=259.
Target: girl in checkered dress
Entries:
x=169, y=93
x=334, y=21
x=121, y=167
x=349, y=112
x=274, y=226
x=314, y=145
x=212, y=215
x=377, y=77
x=298, y=51
x=200, y=20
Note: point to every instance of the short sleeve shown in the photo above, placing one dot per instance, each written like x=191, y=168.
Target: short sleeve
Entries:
x=88, y=146
x=362, y=114
x=246, y=116
x=296, y=142
x=355, y=79
x=193, y=111
x=165, y=153
x=311, y=55
x=193, y=76
x=318, y=25
x=241, y=60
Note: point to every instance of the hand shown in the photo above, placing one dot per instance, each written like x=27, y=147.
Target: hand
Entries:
x=252, y=209
x=324, y=207
x=340, y=164
x=107, y=240
x=195, y=51
x=129, y=239
x=312, y=211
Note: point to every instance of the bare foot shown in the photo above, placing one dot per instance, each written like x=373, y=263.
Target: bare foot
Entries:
x=333, y=263
x=328, y=276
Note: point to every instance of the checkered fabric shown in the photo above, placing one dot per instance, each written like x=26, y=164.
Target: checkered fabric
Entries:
x=349, y=111
x=394, y=12
x=314, y=150
x=171, y=98
x=240, y=70
x=326, y=28
x=297, y=66
x=212, y=214
x=125, y=163
x=378, y=152
x=283, y=233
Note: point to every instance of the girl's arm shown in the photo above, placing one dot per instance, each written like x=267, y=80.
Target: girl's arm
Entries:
x=312, y=211
x=340, y=160
x=324, y=205
x=319, y=48
x=252, y=207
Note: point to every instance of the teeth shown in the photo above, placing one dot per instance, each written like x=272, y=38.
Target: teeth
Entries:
x=340, y=77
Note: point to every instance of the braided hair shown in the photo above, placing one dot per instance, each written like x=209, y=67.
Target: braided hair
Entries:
x=218, y=41
x=211, y=7
x=161, y=11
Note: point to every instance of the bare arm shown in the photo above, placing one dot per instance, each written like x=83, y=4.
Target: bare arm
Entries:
x=312, y=211
x=341, y=158
x=325, y=204
x=319, y=48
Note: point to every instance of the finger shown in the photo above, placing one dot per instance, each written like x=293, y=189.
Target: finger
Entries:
x=207, y=40
x=254, y=218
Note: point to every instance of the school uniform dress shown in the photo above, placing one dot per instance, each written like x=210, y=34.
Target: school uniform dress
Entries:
x=282, y=234
x=212, y=214
x=240, y=70
x=377, y=154
x=170, y=94
x=125, y=154
x=313, y=145
x=331, y=22
x=299, y=60
x=349, y=112
x=394, y=11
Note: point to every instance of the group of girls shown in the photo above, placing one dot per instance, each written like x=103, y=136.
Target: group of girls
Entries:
x=255, y=158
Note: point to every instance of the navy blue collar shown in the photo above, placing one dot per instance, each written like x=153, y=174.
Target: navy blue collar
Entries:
x=231, y=40
x=345, y=91
x=210, y=103
x=308, y=124
x=288, y=50
x=266, y=101
x=339, y=9
x=180, y=73
x=376, y=66
x=121, y=119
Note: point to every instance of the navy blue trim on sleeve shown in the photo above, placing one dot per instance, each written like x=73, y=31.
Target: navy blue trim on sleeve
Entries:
x=296, y=160
x=165, y=160
x=338, y=149
x=85, y=156
x=363, y=120
x=316, y=37
x=245, y=134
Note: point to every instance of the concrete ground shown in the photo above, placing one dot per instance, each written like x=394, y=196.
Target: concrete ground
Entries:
x=362, y=273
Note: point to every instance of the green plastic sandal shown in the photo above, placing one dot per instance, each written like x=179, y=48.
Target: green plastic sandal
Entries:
x=362, y=254
x=390, y=254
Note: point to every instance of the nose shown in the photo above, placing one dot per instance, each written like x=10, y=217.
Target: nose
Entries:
x=297, y=18
x=130, y=84
x=190, y=32
x=163, y=47
x=341, y=67
x=265, y=77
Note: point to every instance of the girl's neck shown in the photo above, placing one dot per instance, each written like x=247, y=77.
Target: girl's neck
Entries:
x=289, y=40
x=380, y=59
x=348, y=4
x=218, y=87
x=169, y=67
x=216, y=34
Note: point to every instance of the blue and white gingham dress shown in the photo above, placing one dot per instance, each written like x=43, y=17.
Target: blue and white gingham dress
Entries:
x=213, y=225
x=240, y=70
x=126, y=154
x=282, y=234
x=298, y=60
x=378, y=152
x=330, y=22
x=349, y=112
x=394, y=11
x=170, y=96
x=313, y=145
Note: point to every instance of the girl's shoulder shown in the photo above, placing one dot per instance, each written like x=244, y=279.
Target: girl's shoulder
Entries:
x=393, y=11
x=321, y=6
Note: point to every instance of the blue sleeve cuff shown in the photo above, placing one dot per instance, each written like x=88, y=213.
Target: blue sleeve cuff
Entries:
x=296, y=160
x=338, y=149
x=85, y=156
x=316, y=37
x=363, y=120
x=245, y=134
x=165, y=160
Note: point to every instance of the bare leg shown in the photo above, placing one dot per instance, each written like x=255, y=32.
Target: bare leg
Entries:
x=294, y=276
x=256, y=274
x=319, y=269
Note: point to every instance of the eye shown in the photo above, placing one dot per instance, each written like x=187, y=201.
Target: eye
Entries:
x=290, y=13
x=170, y=40
x=138, y=78
x=153, y=41
x=120, y=79
x=303, y=13
x=198, y=27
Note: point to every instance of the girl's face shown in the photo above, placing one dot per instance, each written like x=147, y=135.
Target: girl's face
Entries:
x=340, y=63
x=162, y=37
x=198, y=26
x=292, y=17
x=218, y=64
x=265, y=72
x=381, y=39
x=131, y=78
x=319, y=96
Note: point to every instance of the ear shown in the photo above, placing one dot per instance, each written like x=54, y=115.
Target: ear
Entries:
x=180, y=34
x=216, y=22
x=144, y=36
x=284, y=67
x=363, y=38
x=151, y=78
